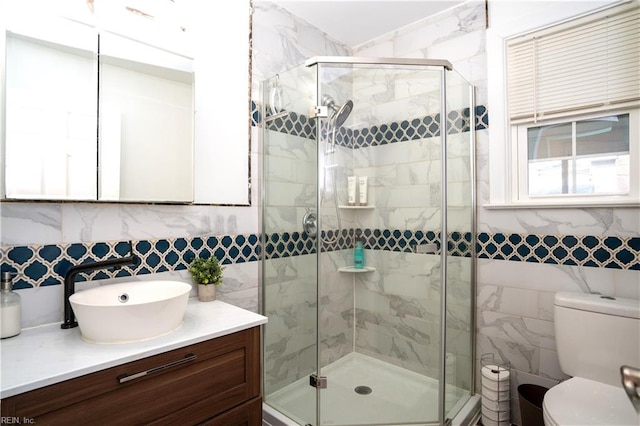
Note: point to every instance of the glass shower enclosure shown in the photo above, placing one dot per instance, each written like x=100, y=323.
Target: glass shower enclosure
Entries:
x=389, y=342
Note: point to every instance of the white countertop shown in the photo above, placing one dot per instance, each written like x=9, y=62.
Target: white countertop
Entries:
x=45, y=355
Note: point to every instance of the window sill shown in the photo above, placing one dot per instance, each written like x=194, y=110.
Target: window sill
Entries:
x=562, y=205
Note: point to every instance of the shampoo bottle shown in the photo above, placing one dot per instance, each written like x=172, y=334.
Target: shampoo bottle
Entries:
x=358, y=255
x=10, y=307
x=362, y=190
x=352, y=181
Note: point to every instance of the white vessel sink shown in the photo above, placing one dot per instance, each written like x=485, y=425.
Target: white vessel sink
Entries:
x=130, y=311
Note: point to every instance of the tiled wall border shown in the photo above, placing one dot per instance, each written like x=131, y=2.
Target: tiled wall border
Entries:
x=41, y=265
x=399, y=131
x=593, y=251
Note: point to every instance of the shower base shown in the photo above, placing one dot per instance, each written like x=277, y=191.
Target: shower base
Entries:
x=364, y=390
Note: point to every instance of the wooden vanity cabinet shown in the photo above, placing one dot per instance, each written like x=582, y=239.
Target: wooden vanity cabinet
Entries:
x=216, y=382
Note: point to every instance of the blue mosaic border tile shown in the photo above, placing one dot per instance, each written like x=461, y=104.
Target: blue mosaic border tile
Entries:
x=399, y=131
x=592, y=251
x=299, y=243
x=41, y=265
x=288, y=244
x=458, y=243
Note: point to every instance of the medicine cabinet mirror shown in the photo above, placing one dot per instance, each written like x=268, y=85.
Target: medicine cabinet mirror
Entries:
x=107, y=114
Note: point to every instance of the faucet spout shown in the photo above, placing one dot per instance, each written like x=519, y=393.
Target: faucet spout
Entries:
x=631, y=384
x=70, y=277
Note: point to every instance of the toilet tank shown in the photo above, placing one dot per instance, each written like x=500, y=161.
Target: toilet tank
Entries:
x=595, y=335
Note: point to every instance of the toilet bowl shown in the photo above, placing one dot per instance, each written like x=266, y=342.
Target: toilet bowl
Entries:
x=580, y=401
x=595, y=336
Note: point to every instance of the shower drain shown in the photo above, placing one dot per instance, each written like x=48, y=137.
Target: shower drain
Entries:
x=363, y=390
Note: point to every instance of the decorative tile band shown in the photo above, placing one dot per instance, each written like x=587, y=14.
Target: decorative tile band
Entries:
x=593, y=251
x=399, y=131
x=41, y=265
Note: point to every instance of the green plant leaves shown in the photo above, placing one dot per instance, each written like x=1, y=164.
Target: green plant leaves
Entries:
x=206, y=271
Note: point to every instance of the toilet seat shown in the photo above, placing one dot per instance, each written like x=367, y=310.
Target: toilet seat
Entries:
x=580, y=401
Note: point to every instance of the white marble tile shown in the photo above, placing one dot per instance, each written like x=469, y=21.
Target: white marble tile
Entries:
x=41, y=305
x=459, y=218
x=92, y=222
x=246, y=299
x=518, y=330
x=545, y=305
x=376, y=50
x=548, y=221
x=508, y=300
x=550, y=365
x=280, y=169
x=288, y=146
x=466, y=46
x=521, y=357
x=30, y=223
x=291, y=194
x=282, y=41
x=419, y=218
x=402, y=196
x=545, y=277
x=626, y=222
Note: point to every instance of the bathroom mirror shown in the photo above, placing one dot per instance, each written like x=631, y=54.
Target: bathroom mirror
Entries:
x=124, y=128
x=50, y=104
x=145, y=122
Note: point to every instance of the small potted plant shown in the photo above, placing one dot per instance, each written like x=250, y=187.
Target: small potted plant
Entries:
x=207, y=273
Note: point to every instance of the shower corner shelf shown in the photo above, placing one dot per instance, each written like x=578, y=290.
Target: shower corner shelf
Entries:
x=356, y=270
x=357, y=207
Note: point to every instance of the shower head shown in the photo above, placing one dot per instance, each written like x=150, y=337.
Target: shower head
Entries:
x=340, y=112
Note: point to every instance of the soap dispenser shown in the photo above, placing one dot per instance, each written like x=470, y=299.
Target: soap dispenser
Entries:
x=10, y=307
x=358, y=255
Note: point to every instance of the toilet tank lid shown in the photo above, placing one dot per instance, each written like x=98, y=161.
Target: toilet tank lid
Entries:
x=599, y=303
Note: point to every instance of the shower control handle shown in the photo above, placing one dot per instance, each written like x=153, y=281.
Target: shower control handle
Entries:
x=310, y=223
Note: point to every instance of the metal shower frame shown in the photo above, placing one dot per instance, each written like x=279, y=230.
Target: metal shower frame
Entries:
x=444, y=66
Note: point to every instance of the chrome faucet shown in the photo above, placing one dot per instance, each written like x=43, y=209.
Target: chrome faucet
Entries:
x=70, y=277
x=631, y=384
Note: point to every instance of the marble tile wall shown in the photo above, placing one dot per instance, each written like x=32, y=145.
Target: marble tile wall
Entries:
x=282, y=43
x=515, y=298
x=290, y=340
x=42, y=240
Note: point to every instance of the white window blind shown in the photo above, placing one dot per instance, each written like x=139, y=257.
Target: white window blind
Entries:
x=588, y=65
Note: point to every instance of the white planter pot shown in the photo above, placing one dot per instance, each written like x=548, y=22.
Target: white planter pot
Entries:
x=206, y=293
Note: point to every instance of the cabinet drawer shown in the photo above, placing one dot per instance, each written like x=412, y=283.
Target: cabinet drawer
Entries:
x=197, y=382
x=248, y=414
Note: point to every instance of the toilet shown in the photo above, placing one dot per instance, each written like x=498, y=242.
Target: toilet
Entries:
x=595, y=336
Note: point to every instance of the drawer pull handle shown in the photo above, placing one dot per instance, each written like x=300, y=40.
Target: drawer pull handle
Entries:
x=187, y=358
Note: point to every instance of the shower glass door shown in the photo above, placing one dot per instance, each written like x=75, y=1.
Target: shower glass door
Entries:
x=460, y=229
x=289, y=267
x=379, y=338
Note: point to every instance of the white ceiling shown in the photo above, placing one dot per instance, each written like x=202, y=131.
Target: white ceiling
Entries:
x=355, y=22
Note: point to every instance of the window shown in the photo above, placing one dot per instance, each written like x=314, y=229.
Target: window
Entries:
x=574, y=101
x=586, y=157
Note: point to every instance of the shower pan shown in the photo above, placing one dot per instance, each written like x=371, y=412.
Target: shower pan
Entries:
x=391, y=342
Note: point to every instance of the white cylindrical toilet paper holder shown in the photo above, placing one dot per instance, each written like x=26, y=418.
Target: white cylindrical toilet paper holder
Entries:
x=496, y=387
